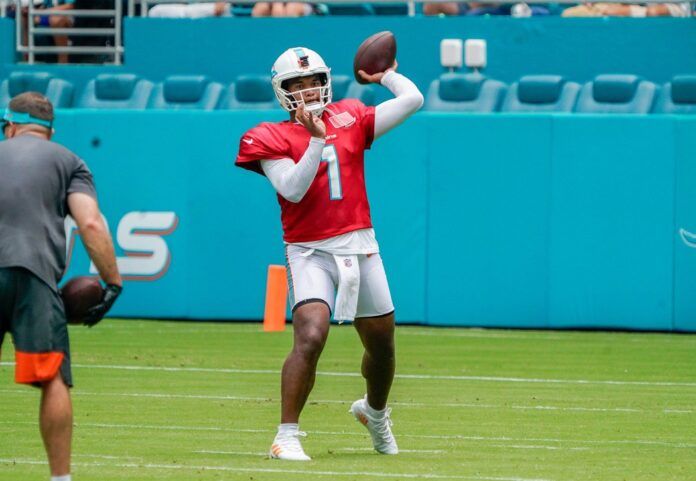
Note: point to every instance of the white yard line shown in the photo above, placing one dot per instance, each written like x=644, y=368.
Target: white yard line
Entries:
x=552, y=448
x=334, y=450
x=361, y=433
x=104, y=456
x=481, y=334
x=233, y=453
x=178, y=467
x=433, y=377
x=586, y=336
x=370, y=450
x=224, y=397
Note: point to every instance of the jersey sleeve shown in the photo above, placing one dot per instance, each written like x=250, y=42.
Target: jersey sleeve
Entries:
x=81, y=179
x=260, y=143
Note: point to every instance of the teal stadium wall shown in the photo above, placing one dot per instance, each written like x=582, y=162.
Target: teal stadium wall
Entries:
x=579, y=48
x=484, y=220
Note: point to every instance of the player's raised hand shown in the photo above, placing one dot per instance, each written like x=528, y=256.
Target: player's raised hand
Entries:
x=310, y=121
x=376, y=78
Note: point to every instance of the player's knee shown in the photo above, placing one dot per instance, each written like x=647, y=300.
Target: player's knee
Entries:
x=383, y=349
x=311, y=343
x=380, y=343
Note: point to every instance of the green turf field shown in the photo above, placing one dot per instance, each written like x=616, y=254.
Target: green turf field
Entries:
x=181, y=401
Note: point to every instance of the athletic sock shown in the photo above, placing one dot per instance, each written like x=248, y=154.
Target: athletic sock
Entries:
x=374, y=412
x=288, y=428
x=65, y=477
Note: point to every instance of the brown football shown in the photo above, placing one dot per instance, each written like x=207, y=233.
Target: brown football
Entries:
x=376, y=54
x=79, y=295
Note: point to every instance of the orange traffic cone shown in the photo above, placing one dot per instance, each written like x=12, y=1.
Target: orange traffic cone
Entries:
x=276, y=299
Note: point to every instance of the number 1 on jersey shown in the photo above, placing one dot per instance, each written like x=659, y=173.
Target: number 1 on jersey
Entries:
x=330, y=156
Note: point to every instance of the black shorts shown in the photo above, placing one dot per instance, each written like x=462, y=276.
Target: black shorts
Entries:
x=34, y=315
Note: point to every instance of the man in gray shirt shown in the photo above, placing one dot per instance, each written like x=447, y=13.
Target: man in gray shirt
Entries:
x=41, y=183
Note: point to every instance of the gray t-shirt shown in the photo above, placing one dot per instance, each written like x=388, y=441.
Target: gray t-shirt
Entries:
x=36, y=176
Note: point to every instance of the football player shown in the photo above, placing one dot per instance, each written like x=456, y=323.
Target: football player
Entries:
x=315, y=162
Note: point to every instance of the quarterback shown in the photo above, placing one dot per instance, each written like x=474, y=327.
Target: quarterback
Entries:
x=315, y=162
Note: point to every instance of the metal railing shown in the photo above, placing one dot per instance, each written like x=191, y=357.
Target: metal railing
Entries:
x=29, y=9
x=30, y=31
x=411, y=4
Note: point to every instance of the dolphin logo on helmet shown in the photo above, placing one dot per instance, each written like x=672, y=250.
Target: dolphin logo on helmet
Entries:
x=300, y=62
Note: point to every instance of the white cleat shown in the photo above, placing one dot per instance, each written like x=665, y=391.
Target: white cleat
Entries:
x=287, y=446
x=379, y=427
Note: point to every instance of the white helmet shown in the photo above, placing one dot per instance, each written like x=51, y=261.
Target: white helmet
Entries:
x=300, y=62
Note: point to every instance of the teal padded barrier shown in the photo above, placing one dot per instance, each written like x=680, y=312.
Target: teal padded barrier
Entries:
x=487, y=220
x=685, y=225
x=520, y=220
x=611, y=225
x=397, y=184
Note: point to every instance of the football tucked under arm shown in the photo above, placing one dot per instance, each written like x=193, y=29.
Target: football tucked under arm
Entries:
x=408, y=99
x=292, y=180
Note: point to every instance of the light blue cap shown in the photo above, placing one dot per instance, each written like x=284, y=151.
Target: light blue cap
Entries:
x=24, y=118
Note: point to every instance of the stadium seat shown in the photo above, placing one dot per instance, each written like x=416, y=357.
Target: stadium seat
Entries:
x=352, y=9
x=186, y=92
x=241, y=9
x=58, y=91
x=678, y=96
x=541, y=93
x=457, y=92
x=116, y=91
x=616, y=94
x=344, y=87
x=400, y=9
x=250, y=92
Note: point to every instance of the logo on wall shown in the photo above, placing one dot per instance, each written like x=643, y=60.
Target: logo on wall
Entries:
x=140, y=236
x=688, y=238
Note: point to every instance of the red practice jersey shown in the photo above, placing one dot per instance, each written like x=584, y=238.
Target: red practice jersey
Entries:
x=336, y=202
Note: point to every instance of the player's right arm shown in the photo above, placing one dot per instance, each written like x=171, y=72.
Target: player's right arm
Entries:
x=291, y=180
x=407, y=99
x=95, y=236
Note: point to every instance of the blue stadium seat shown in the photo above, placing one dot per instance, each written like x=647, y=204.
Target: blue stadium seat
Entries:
x=186, y=92
x=241, y=9
x=616, y=94
x=541, y=93
x=58, y=91
x=457, y=92
x=250, y=92
x=344, y=87
x=352, y=9
x=116, y=91
x=400, y=9
x=678, y=96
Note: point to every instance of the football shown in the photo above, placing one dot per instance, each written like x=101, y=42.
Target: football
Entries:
x=376, y=54
x=79, y=295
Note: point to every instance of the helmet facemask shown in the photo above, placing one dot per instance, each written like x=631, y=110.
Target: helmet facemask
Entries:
x=291, y=100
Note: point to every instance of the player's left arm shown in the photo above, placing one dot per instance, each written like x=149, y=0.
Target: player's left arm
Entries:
x=407, y=99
